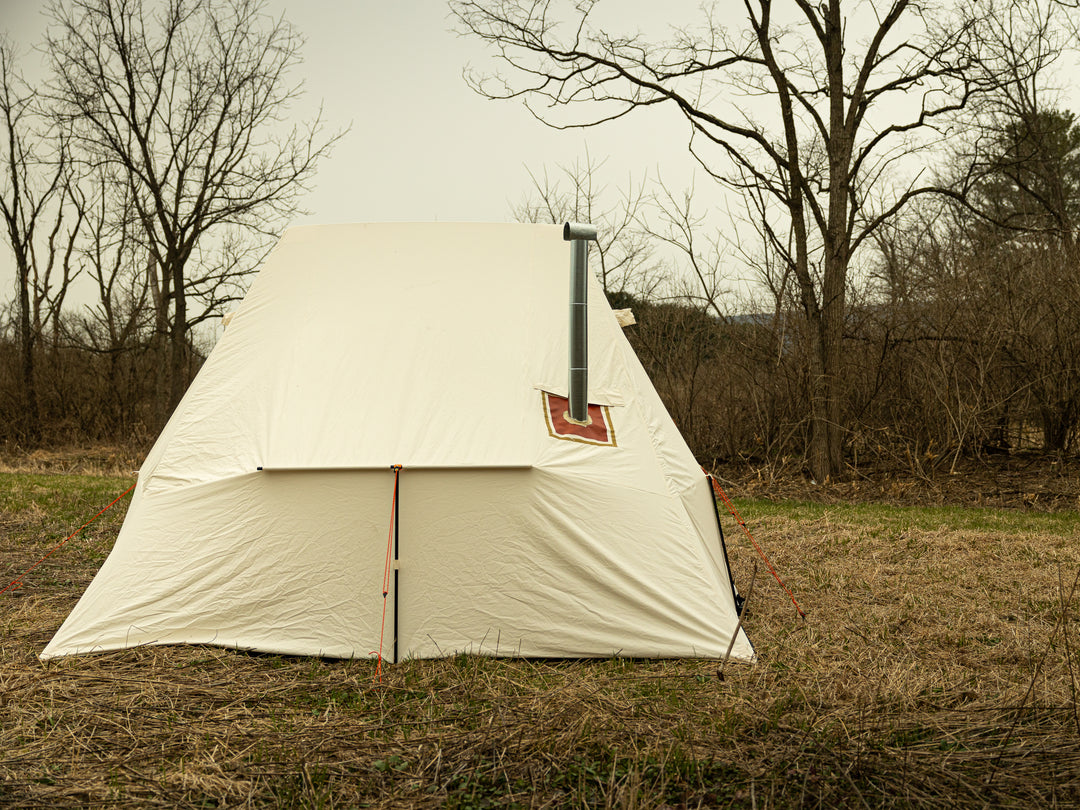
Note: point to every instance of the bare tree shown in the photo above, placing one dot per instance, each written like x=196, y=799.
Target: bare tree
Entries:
x=184, y=102
x=806, y=108
x=117, y=327
x=702, y=257
x=624, y=261
x=1017, y=205
x=1021, y=46
x=1021, y=223
x=34, y=189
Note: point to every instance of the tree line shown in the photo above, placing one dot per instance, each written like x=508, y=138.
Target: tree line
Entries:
x=150, y=164
x=908, y=180
x=960, y=337
x=912, y=186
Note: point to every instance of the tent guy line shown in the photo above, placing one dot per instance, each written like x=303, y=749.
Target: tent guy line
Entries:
x=17, y=582
x=761, y=553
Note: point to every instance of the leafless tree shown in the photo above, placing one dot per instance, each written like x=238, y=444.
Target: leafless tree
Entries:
x=184, y=102
x=1017, y=205
x=1022, y=43
x=802, y=105
x=34, y=191
x=113, y=331
x=625, y=261
x=699, y=255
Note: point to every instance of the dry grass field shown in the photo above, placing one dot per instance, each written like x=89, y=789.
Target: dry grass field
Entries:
x=938, y=666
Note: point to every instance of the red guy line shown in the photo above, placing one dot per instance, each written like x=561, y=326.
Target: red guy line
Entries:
x=18, y=580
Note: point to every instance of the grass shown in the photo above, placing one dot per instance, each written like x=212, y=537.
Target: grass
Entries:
x=897, y=519
x=937, y=667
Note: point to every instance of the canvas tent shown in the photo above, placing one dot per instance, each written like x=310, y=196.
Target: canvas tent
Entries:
x=262, y=515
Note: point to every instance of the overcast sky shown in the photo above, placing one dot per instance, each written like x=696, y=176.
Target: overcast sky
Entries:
x=422, y=145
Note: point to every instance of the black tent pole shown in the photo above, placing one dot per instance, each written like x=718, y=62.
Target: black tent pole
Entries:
x=397, y=511
x=723, y=546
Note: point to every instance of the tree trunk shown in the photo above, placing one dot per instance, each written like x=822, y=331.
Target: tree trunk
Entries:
x=827, y=456
x=1058, y=424
x=178, y=353
x=31, y=421
x=826, y=437
x=159, y=341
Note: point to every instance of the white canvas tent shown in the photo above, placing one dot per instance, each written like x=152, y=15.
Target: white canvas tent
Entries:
x=262, y=515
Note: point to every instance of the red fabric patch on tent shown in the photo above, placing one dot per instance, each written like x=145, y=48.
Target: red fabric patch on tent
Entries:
x=598, y=431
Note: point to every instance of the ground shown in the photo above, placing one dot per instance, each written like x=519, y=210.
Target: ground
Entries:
x=938, y=665
x=1043, y=483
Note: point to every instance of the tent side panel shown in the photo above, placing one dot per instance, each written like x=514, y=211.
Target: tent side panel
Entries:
x=535, y=563
x=282, y=562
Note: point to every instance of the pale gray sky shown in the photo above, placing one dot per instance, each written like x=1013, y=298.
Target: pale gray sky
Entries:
x=422, y=145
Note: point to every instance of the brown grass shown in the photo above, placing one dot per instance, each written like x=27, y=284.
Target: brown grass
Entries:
x=938, y=667
x=98, y=459
x=1022, y=480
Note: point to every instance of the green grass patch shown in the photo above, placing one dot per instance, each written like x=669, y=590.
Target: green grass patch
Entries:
x=33, y=504
x=886, y=519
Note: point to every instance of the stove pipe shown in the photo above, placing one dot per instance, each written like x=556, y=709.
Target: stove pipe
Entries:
x=579, y=235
